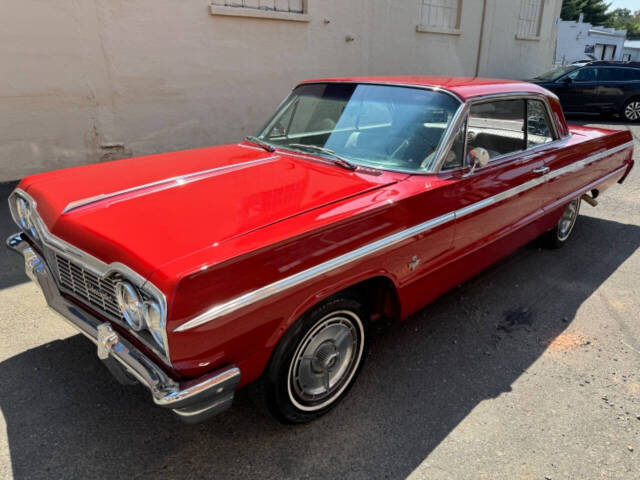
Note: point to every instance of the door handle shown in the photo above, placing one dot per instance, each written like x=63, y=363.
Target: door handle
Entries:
x=541, y=170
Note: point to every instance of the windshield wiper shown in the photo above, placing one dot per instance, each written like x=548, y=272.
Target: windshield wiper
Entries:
x=335, y=158
x=256, y=141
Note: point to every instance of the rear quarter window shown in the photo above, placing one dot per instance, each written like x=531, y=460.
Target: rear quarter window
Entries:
x=631, y=74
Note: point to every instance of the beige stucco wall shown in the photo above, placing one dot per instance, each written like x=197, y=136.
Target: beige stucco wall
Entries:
x=88, y=80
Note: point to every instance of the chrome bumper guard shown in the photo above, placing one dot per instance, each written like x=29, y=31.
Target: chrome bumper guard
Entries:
x=193, y=401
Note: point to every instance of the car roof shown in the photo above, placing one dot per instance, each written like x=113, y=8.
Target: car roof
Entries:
x=462, y=87
x=611, y=63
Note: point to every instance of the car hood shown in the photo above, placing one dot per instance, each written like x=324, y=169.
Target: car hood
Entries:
x=147, y=211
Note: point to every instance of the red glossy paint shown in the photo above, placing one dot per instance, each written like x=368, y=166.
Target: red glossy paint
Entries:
x=233, y=231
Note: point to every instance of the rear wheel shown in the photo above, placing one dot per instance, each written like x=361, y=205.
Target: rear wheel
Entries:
x=316, y=362
x=631, y=110
x=558, y=236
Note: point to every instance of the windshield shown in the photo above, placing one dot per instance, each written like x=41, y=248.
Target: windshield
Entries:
x=389, y=127
x=556, y=73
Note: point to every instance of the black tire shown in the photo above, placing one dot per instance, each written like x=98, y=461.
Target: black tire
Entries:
x=558, y=236
x=283, y=392
x=631, y=110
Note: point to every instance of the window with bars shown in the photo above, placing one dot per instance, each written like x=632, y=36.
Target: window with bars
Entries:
x=274, y=9
x=530, y=19
x=440, y=15
x=288, y=6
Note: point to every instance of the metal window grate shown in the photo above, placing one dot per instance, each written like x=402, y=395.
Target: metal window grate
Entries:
x=291, y=6
x=96, y=291
x=530, y=18
x=441, y=13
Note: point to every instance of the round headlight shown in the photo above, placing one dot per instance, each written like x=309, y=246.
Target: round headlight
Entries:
x=130, y=305
x=153, y=317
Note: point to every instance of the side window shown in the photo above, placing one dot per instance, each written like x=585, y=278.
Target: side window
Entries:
x=583, y=75
x=456, y=153
x=538, y=126
x=610, y=74
x=497, y=127
x=630, y=74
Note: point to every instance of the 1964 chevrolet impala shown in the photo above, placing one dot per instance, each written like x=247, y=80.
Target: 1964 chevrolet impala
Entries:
x=201, y=271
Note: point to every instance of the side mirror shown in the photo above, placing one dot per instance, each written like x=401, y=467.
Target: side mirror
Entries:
x=567, y=80
x=478, y=157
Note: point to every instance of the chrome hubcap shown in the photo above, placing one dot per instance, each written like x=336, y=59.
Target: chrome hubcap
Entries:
x=565, y=225
x=632, y=111
x=325, y=360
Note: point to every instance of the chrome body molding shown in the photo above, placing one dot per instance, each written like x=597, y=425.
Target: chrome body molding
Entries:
x=310, y=273
x=192, y=401
x=164, y=184
x=286, y=283
x=52, y=246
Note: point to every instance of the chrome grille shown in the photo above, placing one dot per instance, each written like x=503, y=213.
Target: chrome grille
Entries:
x=94, y=290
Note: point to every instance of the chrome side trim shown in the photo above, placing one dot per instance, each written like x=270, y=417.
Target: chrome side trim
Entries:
x=165, y=183
x=337, y=262
x=310, y=273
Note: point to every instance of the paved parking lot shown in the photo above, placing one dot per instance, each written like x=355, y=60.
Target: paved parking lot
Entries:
x=529, y=371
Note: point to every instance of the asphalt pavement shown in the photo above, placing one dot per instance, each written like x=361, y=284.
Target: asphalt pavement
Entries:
x=528, y=371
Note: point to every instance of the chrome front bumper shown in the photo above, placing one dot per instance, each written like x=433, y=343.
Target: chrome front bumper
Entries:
x=193, y=401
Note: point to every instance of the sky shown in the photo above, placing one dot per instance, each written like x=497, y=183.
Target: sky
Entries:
x=632, y=5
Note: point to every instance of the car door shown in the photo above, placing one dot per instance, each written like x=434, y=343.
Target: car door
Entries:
x=502, y=196
x=611, y=88
x=578, y=90
x=630, y=87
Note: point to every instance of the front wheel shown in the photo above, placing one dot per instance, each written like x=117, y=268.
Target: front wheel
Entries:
x=316, y=362
x=558, y=236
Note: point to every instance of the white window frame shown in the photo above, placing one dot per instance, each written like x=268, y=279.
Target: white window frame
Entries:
x=441, y=29
x=236, y=8
x=526, y=35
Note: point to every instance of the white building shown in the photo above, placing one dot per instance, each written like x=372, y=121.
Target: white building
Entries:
x=631, y=51
x=581, y=41
x=91, y=80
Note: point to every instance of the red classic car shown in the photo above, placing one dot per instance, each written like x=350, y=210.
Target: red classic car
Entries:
x=362, y=199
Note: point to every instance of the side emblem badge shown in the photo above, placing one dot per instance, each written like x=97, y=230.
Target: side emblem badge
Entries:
x=413, y=264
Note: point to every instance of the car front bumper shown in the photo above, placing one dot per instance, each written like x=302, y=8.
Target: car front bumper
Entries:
x=193, y=401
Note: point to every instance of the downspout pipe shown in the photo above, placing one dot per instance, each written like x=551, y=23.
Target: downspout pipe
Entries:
x=484, y=12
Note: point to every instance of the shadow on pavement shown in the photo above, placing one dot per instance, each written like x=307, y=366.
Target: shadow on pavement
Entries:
x=67, y=418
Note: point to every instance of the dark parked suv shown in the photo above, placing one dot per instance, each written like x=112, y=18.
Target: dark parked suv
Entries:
x=597, y=87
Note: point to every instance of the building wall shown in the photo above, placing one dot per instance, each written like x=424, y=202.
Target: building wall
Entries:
x=596, y=38
x=93, y=80
x=632, y=48
x=573, y=38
